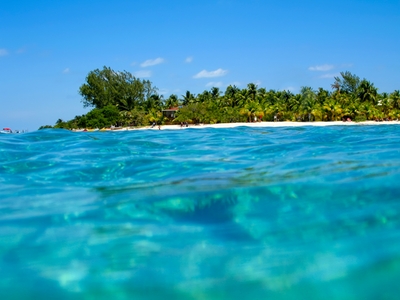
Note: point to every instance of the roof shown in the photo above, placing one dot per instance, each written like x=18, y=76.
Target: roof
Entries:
x=171, y=109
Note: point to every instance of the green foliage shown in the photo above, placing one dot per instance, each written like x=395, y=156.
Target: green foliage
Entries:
x=121, y=89
x=188, y=98
x=139, y=117
x=192, y=113
x=111, y=114
x=349, y=83
x=360, y=118
x=120, y=99
x=101, y=117
x=172, y=101
x=96, y=118
x=367, y=91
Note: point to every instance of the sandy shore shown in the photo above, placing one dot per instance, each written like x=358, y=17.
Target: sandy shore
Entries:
x=270, y=124
x=255, y=124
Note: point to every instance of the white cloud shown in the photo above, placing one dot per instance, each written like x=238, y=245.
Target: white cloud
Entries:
x=152, y=62
x=134, y=63
x=321, y=68
x=189, y=59
x=214, y=84
x=66, y=71
x=142, y=73
x=330, y=75
x=206, y=74
x=3, y=52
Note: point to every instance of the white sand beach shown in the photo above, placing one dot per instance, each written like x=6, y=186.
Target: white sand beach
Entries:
x=255, y=124
x=269, y=124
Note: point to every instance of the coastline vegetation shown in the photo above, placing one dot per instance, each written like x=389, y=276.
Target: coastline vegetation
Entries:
x=119, y=99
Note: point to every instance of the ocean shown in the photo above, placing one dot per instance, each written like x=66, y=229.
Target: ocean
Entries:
x=234, y=213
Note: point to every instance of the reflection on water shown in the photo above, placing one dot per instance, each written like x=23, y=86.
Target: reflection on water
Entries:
x=241, y=213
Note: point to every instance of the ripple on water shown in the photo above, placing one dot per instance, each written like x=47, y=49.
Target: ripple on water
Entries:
x=211, y=213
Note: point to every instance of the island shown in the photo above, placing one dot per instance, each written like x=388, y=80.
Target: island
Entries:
x=122, y=101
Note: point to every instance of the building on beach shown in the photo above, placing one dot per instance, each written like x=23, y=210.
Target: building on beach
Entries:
x=170, y=112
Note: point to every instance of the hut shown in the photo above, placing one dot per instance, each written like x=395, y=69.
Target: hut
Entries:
x=170, y=112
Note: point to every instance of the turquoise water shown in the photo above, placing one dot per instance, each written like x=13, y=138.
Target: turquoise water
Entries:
x=242, y=213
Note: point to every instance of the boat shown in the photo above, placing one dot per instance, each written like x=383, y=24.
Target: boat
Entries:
x=6, y=130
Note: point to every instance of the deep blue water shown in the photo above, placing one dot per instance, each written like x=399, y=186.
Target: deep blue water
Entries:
x=242, y=213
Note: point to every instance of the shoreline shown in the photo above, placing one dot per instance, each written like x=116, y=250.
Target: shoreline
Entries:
x=277, y=124
x=255, y=124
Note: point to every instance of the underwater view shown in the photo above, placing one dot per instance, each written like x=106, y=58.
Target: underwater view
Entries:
x=235, y=213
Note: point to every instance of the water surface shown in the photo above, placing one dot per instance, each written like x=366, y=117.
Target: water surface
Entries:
x=241, y=213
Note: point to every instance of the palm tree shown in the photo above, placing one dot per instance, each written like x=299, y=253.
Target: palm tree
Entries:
x=395, y=97
x=385, y=104
x=155, y=101
x=333, y=110
x=369, y=110
x=367, y=91
x=252, y=91
x=155, y=115
x=308, y=102
x=322, y=95
x=230, y=95
x=188, y=98
x=172, y=101
x=278, y=109
x=243, y=99
x=351, y=109
x=205, y=96
x=252, y=110
x=215, y=92
x=295, y=103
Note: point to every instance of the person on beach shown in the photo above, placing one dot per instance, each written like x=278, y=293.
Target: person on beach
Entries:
x=154, y=124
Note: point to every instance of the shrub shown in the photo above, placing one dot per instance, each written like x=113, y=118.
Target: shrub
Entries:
x=360, y=118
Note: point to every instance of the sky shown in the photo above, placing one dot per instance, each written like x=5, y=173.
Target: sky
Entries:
x=47, y=48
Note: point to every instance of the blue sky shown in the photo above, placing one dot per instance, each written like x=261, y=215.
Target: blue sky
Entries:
x=47, y=48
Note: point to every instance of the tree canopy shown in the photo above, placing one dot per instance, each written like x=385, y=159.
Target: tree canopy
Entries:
x=121, y=89
x=349, y=83
x=120, y=99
